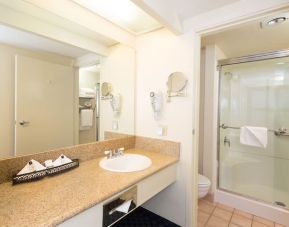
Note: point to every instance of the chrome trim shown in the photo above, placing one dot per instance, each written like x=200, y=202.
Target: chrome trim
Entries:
x=252, y=58
x=218, y=129
x=279, y=132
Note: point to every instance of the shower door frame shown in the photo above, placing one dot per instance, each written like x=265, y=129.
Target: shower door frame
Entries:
x=254, y=57
x=238, y=60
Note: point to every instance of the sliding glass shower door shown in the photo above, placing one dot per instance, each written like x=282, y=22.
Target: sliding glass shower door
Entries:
x=255, y=93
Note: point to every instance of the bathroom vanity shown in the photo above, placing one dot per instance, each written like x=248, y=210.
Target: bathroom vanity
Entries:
x=79, y=197
x=142, y=191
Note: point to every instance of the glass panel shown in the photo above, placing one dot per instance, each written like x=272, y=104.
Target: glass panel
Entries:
x=255, y=94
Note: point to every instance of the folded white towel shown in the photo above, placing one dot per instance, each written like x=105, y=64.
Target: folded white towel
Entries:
x=87, y=92
x=86, y=119
x=48, y=163
x=31, y=166
x=254, y=136
x=124, y=208
x=61, y=160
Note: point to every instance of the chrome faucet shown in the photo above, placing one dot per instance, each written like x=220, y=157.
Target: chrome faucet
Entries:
x=114, y=153
x=119, y=152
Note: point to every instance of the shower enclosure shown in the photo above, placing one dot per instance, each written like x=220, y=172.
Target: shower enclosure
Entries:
x=254, y=91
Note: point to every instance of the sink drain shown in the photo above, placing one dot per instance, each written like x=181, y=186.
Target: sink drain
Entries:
x=280, y=204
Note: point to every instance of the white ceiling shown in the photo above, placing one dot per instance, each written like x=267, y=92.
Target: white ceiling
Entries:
x=189, y=8
x=19, y=38
x=249, y=38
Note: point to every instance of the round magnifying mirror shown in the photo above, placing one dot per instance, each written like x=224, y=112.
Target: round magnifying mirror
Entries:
x=105, y=89
x=176, y=82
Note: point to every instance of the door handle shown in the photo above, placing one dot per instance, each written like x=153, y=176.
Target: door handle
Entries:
x=23, y=123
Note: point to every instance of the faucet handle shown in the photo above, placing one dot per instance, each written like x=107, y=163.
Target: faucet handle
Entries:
x=108, y=154
x=120, y=150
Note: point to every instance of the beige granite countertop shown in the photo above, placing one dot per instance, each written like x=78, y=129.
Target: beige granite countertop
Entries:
x=53, y=200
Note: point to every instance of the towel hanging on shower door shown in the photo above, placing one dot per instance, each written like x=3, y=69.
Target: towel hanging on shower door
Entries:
x=254, y=136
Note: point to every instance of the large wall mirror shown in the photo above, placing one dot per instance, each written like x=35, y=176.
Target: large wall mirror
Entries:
x=51, y=93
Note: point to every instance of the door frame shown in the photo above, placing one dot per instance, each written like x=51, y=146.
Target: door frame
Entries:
x=192, y=179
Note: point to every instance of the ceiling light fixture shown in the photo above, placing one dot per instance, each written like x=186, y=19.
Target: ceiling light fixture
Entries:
x=277, y=20
x=273, y=21
x=124, y=13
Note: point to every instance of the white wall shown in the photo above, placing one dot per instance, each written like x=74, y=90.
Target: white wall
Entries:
x=201, y=111
x=158, y=55
x=208, y=135
x=118, y=68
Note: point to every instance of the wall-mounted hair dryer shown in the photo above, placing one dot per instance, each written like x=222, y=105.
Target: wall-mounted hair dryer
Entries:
x=157, y=103
x=115, y=103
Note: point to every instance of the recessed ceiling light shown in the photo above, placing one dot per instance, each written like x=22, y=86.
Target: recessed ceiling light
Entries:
x=276, y=21
x=280, y=63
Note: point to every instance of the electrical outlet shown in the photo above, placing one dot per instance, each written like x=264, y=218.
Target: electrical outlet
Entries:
x=115, y=125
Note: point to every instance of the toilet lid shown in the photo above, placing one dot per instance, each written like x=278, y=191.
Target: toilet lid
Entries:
x=204, y=180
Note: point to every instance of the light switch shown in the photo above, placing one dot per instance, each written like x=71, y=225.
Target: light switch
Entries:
x=161, y=130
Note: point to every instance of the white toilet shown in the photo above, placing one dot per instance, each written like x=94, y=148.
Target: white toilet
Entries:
x=203, y=186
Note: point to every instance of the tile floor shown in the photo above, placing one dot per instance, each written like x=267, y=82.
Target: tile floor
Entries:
x=218, y=215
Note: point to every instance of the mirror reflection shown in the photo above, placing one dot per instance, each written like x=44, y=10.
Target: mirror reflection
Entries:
x=55, y=95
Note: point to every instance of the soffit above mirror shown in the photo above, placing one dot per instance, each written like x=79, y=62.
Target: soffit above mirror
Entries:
x=33, y=16
x=10, y=36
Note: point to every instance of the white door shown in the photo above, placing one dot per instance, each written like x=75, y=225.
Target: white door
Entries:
x=43, y=105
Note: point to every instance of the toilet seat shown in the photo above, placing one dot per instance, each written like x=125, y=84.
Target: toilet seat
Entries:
x=204, y=181
x=203, y=186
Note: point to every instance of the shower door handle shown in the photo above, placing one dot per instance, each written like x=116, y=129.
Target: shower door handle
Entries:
x=281, y=132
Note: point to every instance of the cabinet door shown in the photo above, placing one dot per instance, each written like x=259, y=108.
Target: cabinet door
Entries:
x=91, y=217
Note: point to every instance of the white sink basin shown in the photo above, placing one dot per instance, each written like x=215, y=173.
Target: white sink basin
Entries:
x=126, y=163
